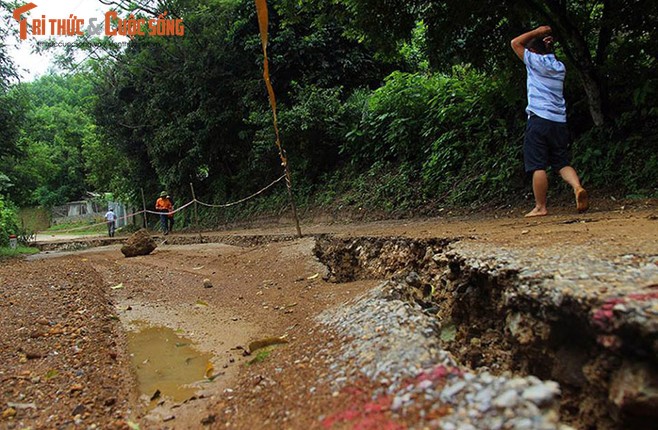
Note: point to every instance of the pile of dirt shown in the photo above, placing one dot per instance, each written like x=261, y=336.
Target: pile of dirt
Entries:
x=140, y=243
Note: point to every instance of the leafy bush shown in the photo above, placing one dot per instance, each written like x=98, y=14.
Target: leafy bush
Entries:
x=476, y=130
x=312, y=129
x=8, y=221
x=622, y=156
x=461, y=133
x=393, y=120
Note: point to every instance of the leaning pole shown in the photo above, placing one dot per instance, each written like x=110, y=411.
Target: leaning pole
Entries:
x=263, y=20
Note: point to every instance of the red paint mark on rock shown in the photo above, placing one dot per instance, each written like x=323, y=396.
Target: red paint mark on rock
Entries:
x=604, y=317
x=643, y=297
x=363, y=413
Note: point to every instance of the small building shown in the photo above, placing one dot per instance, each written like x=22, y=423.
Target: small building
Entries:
x=79, y=210
x=91, y=210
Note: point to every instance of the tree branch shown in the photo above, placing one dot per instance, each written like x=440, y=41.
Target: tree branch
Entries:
x=605, y=32
x=126, y=6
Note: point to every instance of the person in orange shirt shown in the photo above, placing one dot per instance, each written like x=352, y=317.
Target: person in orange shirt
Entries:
x=164, y=206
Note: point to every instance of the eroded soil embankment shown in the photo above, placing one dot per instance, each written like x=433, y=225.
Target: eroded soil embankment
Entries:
x=190, y=239
x=491, y=317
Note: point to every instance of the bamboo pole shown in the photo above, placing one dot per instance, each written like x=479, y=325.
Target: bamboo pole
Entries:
x=196, y=211
x=144, y=208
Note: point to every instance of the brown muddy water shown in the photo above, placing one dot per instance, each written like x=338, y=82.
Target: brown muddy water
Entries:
x=167, y=365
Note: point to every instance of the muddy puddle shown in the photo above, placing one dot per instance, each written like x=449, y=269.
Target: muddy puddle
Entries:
x=167, y=365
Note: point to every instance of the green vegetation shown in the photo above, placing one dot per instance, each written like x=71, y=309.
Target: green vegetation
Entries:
x=8, y=222
x=261, y=355
x=389, y=106
x=56, y=142
x=17, y=252
x=75, y=228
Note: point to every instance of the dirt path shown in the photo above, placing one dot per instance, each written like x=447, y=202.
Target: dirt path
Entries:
x=47, y=237
x=256, y=293
x=64, y=353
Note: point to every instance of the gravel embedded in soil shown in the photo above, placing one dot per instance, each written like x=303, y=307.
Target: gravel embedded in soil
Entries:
x=63, y=355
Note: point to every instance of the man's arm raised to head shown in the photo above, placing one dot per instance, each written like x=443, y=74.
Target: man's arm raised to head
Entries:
x=519, y=43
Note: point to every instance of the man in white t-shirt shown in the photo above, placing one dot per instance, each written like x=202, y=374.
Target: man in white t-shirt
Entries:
x=547, y=137
x=111, y=217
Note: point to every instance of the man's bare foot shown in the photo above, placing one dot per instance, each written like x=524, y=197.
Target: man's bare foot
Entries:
x=582, y=201
x=537, y=212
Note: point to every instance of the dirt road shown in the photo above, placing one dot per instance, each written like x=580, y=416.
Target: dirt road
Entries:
x=68, y=318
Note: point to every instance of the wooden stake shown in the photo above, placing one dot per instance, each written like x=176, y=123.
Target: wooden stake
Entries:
x=143, y=207
x=196, y=212
x=292, y=202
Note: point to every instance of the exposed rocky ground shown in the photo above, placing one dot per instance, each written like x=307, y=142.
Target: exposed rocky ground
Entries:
x=64, y=363
x=455, y=324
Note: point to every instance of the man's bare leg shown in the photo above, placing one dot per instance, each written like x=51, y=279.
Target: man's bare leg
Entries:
x=571, y=177
x=539, y=188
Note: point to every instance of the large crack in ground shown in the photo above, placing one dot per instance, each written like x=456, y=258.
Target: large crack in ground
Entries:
x=494, y=319
x=460, y=334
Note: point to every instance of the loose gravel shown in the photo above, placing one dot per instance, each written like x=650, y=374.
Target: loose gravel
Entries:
x=394, y=343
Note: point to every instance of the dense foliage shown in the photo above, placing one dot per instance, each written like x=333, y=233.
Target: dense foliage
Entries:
x=8, y=222
x=56, y=132
x=382, y=104
x=10, y=116
x=452, y=129
x=9, y=109
x=194, y=109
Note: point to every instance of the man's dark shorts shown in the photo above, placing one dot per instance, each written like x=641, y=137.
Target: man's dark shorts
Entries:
x=546, y=144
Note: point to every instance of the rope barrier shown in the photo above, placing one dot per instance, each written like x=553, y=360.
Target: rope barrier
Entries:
x=172, y=212
x=86, y=226
x=226, y=205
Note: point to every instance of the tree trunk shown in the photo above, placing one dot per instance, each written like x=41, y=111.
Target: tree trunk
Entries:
x=605, y=32
x=578, y=52
x=595, y=97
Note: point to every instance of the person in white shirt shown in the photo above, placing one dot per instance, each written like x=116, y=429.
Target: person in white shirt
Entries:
x=111, y=217
x=547, y=137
